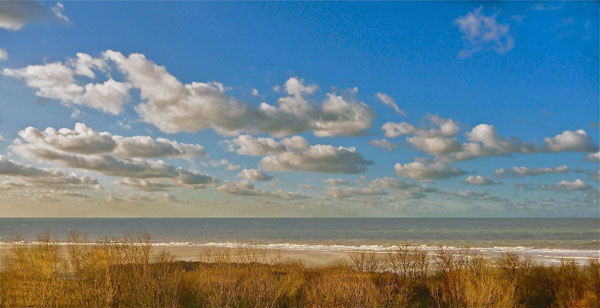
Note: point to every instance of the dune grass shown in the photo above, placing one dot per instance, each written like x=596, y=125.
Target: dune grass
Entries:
x=125, y=272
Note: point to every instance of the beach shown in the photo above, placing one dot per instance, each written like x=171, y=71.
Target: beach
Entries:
x=322, y=241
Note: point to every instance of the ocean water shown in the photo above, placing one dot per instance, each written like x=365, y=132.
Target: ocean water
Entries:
x=539, y=238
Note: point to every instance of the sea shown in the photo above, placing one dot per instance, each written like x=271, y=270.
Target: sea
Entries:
x=543, y=239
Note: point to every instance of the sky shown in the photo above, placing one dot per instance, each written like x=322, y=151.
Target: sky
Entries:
x=304, y=109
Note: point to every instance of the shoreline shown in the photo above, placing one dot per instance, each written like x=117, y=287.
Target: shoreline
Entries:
x=321, y=255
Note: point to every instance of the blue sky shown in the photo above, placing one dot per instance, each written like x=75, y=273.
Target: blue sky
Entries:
x=332, y=109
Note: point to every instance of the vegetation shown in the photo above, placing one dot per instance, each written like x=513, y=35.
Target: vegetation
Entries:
x=128, y=273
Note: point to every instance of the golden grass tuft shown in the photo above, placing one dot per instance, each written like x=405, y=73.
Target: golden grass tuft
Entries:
x=125, y=272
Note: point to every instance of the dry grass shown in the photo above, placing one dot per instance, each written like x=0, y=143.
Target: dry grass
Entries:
x=124, y=273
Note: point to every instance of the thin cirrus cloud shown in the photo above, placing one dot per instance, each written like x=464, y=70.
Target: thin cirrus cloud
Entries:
x=388, y=100
x=483, y=32
x=173, y=106
x=383, y=144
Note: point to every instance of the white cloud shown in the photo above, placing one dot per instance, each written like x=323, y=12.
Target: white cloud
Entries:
x=436, y=146
x=295, y=153
x=352, y=192
x=595, y=157
x=480, y=180
x=58, y=11
x=478, y=195
x=56, y=81
x=86, y=149
x=426, y=170
x=224, y=162
x=383, y=144
x=254, y=175
x=568, y=140
x=245, y=188
x=318, y=158
x=256, y=146
x=568, y=186
x=14, y=15
x=524, y=171
x=85, y=140
x=436, y=126
x=3, y=54
x=439, y=138
x=540, y=6
x=44, y=178
x=143, y=184
x=173, y=106
x=388, y=100
x=481, y=32
x=336, y=182
x=376, y=187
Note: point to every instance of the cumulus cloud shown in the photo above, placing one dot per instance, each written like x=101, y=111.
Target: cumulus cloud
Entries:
x=3, y=54
x=43, y=178
x=481, y=32
x=336, y=182
x=425, y=170
x=388, y=100
x=478, y=195
x=143, y=184
x=524, y=171
x=318, y=158
x=56, y=81
x=435, y=126
x=376, y=187
x=595, y=157
x=295, y=153
x=88, y=150
x=85, y=140
x=383, y=144
x=173, y=106
x=568, y=186
x=254, y=175
x=224, y=162
x=577, y=141
x=480, y=180
x=245, y=188
x=14, y=15
x=439, y=138
x=351, y=192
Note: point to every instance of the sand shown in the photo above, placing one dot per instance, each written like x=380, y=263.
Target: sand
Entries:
x=310, y=258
